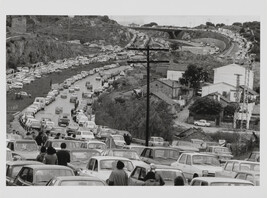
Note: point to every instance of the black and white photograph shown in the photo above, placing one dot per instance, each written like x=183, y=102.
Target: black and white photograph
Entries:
x=114, y=99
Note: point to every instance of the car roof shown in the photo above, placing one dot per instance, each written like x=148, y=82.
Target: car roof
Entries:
x=22, y=162
x=161, y=147
x=95, y=141
x=243, y=161
x=196, y=153
x=84, y=149
x=110, y=157
x=77, y=178
x=249, y=172
x=22, y=140
x=45, y=166
x=221, y=179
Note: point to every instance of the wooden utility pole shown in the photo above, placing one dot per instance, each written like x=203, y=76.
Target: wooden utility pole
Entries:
x=147, y=49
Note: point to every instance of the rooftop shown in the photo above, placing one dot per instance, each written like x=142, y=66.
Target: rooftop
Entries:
x=163, y=97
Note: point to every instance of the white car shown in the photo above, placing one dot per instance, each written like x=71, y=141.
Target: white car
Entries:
x=77, y=88
x=84, y=134
x=98, y=78
x=197, y=165
x=102, y=166
x=202, y=123
x=156, y=141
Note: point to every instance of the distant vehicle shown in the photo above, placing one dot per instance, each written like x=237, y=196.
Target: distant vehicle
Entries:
x=115, y=141
x=71, y=90
x=27, y=149
x=89, y=86
x=16, y=85
x=197, y=165
x=184, y=146
x=231, y=168
x=64, y=120
x=223, y=153
x=215, y=181
x=76, y=181
x=77, y=88
x=73, y=98
x=253, y=177
x=203, y=123
x=98, y=78
x=167, y=173
x=159, y=155
x=39, y=175
x=41, y=100
x=94, y=144
x=13, y=168
x=87, y=95
x=58, y=110
x=156, y=141
x=84, y=134
x=137, y=148
x=64, y=95
x=71, y=144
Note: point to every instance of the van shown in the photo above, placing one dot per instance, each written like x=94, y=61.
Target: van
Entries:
x=41, y=100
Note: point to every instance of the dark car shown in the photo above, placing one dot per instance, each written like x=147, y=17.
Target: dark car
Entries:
x=13, y=168
x=27, y=149
x=76, y=181
x=39, y=175
x=64, y=120
x=79, y=158
x=159, y=155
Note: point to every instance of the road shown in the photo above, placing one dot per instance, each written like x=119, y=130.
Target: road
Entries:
x=65, y=103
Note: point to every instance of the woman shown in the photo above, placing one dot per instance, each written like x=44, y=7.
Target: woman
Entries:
x=40, y=157
x=50, y=157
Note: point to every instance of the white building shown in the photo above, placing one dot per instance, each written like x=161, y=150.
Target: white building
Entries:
x=225, y=89
x=227, y=74
x=175, y=71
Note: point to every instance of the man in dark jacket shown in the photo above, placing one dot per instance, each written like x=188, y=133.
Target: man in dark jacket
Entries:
x=39, y=139
x=63, y=155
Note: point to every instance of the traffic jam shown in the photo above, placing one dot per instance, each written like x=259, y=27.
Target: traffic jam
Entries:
x=63, y=146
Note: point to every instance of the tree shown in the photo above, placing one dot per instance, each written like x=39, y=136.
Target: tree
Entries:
x=193, y=76
x=210, y=24
x=206, y=106
x=237, y=24
x=230, y=109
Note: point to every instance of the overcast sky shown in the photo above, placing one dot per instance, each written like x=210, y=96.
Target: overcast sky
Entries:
x=189, y=21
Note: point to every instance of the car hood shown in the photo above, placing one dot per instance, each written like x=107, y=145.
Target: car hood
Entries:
x=78, y=164
x=167, y=162
x=28, y=155
x=211, y=169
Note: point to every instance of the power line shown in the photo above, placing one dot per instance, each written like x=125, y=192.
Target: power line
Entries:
x=147, y=49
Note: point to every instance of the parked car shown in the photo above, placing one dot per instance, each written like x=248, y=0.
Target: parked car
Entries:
x=231, y=168
x=138, y=148
x=223, y=153
x=79, y=158
x=84, y=134
x=115, y=141
x=184, y=146
x=203, y=123
x=159, y=155
x=27, y=149
x=77, y=88
x=64, y=95
x=64, y=120
x=39, y=175
x=167, y=173
x=197, y=165
x=56, y=130
x=41, y=100
x=252, y=176
x=156, y=141
x=76, y=181
x=216, y=181
x=102, y=166
x=13, y=168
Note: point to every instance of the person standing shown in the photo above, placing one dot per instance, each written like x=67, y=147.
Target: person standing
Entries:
x=39, y=139
x=40, y=157
x=50, y=157
x=157, y=176
x=178, y=181
x=118, y=177
x=150, y=179
x=63, y=155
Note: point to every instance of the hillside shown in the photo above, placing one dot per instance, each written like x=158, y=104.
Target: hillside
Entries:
x=45, y=37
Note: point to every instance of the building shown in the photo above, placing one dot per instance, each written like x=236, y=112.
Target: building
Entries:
x=218, y=97
x=175, y=71
x=228, y=73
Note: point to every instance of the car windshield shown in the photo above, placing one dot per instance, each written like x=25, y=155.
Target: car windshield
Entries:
x=111, y=164
x=221, y=150
x=249, y=167
x=83, y=155
x=26, y=146
x=132, y=155
x=97, y=146
x=14, y=171
x=45, y=175
x=81, y=183
x=139, y=150
x=205, y=160
x=229, y=184
x=87, y=133
x=166, y=154
x=168, y=175
x=157, y=139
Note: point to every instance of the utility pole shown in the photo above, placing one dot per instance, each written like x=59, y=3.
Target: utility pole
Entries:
x=147, y=49
x=237, y=98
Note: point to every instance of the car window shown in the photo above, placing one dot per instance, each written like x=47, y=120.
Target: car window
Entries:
x=203, y=183
x=30, y=176
x=147, y=153
x=250, y=178
x=136, y=173
x=96, y=166
x=241, y=176
x=188, y=160
x=196, y=183
x=236, y=167
x=23, y=174
x=229, y=166
x=142, y=174
x=183, y=159
x=91, y=164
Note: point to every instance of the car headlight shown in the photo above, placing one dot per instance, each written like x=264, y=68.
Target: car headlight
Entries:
x=205, y=173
